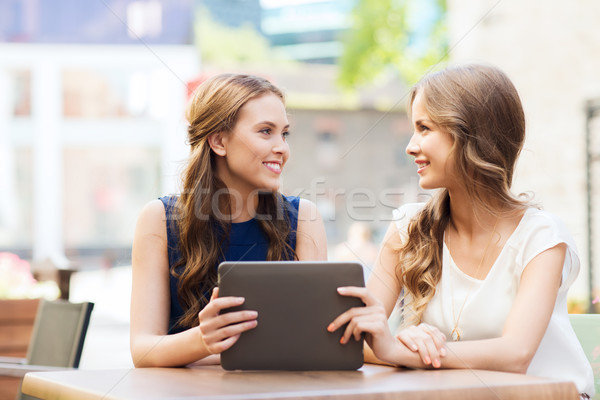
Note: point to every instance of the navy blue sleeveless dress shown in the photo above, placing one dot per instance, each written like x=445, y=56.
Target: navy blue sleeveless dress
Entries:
x=247, y=242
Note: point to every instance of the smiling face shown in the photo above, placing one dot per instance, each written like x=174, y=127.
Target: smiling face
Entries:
x=253, y=154
x=431, y=146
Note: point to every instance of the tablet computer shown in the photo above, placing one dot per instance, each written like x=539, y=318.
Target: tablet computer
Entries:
x=295, y=301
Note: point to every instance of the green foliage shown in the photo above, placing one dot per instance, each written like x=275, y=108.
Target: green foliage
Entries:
x=381, y=40
x=223, y=45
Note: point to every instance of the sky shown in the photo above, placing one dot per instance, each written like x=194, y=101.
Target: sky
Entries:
x=278, y=3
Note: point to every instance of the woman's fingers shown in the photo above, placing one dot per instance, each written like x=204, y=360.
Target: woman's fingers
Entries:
x=438, y=338
x=434, y=339
x=216, y=305
x=218, y=335
x=360, y=292
x=427, y=351
x=434, y=332
x=219, y=331
x=436, y=335
x=427, y=340
x=362, y=321
x=208, y=324
x=223, y=320
x=350, y=317
x=407, y=340
x=414, y=340
x=359, y=320
x=364, y=296
x=377, y=334
x=215, y=332
x=369, y=324
x=219, y=347
x=370, y=320
x=222, y=303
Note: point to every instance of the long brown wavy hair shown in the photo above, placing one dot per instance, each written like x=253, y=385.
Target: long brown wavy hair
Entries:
x=480, y=108
x=202, y=235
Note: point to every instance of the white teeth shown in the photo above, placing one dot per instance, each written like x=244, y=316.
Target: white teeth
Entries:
x=273, y=166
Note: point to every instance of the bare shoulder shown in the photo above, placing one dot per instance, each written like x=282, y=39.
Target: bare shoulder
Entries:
x=154, y=207
x=151, y=219
x=388, y=252
x=307, y=211
x=392, y=238
x=311, y=241
x=150, y=240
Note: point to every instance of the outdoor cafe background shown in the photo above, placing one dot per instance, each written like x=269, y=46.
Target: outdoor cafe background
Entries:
x=91, y=117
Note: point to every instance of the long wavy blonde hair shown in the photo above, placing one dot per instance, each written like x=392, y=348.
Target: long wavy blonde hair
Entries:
x=202, y=231
x=480, y=108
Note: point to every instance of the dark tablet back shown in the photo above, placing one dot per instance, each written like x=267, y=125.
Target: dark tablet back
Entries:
x=295, y=301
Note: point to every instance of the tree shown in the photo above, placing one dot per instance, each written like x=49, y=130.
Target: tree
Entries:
x=404, y=37
x=223, y=45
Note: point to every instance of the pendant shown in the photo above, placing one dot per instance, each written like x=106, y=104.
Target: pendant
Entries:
x=456, y=334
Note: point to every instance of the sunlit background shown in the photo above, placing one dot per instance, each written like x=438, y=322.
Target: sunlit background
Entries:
x=92, y=95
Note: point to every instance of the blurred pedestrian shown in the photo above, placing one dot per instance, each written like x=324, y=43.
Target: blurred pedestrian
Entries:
x=358, y=247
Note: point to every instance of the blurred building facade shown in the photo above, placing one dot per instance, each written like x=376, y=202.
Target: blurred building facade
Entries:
x=307, y=31
x=552, y=53
x=165, y=22
x=88, y=133
x=234, y=13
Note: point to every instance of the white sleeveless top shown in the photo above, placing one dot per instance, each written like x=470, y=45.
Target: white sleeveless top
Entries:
x=488, y=301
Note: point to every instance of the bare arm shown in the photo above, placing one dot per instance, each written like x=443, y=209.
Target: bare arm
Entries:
x=150, y=301
x=383, y=282
x=524, y=328
x=311, y=241
x=150, y=305
x=383, y=290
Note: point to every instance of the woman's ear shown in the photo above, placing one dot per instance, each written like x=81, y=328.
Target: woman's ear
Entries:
x=216, y=143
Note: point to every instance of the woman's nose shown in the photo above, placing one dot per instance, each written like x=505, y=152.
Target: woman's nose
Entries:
x=280, y=145
x=413, y=147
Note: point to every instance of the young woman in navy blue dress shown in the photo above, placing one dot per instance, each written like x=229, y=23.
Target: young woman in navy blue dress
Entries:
x=230, y=209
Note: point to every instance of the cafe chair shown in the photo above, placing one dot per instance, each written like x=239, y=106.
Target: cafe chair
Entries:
x=587, y=329
x=56, y=342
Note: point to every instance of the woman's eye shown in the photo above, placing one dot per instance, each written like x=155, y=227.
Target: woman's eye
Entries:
x=424, y=128
x=266, y=131
x=285, y=134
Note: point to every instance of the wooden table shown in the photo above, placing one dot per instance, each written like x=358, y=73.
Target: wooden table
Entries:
x=370, y=382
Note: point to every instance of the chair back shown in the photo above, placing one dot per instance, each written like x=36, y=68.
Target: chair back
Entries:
x=587, y=329
x=59, y=333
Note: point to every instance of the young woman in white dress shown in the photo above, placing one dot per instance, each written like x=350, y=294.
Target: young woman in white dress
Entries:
x=475, y=264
